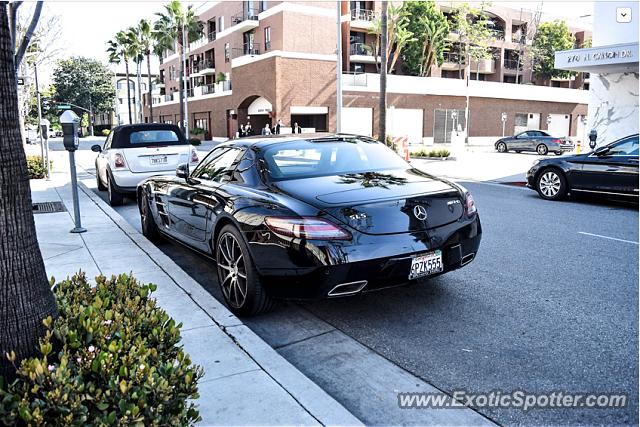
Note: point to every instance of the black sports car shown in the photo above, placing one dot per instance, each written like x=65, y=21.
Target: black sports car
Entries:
x=534, y=140
x=311, y=217
x=610, y=170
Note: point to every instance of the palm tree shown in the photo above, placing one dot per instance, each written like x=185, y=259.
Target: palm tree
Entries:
x=25, y=296
x=136, y=51
x=174, y=25
x=118, y=51
x=147, y=44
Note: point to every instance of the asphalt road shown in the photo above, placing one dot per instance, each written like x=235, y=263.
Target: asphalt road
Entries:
x=549, y=304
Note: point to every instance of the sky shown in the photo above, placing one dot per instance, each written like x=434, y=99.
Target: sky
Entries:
x=88, y=25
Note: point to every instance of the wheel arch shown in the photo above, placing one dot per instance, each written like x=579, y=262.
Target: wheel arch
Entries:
x=555, y=167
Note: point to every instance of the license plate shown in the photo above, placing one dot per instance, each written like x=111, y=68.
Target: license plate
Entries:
x=425, y=265
x=158, y=160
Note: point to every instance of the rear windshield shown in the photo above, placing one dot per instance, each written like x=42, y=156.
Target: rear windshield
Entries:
x=305, y=159
x=130, y=138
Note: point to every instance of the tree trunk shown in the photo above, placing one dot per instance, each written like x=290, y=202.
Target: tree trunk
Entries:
x=139, y=118
x=126, y=70
x=25, y=296
x=180, y=86
x=150, y=91
x=382, y=122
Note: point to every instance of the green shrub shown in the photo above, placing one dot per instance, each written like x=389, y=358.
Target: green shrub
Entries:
x=105, y=132
x=194, y=141
x=198, y=131
x=36, y=167
x=431, y=153
x=111, y=357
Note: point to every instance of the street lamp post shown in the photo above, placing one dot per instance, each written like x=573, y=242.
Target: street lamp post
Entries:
x=35, y=71
x=339, y=69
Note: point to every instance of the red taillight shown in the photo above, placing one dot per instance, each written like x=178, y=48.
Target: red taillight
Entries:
x=306, y=228
x=194, y=157
x=118, y=160
x=469, y=205
x=558, y=141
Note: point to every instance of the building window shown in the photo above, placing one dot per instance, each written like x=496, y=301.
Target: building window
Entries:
x=143, y=86
x=263, y=5
x=121, y=101
x=267, y=38
x=356, y=67
x=203, y=124
x=227, y=53
x=220, y=26
x=122, y=84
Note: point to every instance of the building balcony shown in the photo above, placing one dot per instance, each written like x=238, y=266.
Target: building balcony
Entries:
x=247, y=49
x=244, y=21
x=518, y=38
x=360, y=52
x=497, y=34
x=209, y=89
x=206, y=67
x=483, y=66
x=512, y=65
x=453, y=61
x=363, y=19
x=211, y=36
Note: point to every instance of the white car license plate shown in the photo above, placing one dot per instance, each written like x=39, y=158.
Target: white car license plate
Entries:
x=425, y=265
x=158, y=160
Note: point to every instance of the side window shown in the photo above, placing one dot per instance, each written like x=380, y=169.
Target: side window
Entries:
x=217, y=165
x=626, y=147
x=107, y=143
x=524, y=135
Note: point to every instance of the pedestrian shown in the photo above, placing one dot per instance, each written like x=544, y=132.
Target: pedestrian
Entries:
x=278, y=126
x=296, y=128
x=243, y=132
x=266, y=130
x=248, y=130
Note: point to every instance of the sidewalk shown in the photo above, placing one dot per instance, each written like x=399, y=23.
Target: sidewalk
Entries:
x=246, y=382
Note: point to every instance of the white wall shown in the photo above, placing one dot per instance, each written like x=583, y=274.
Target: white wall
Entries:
x=559, y=124
x=405, y=122
x=606, y=29
x=358, y=121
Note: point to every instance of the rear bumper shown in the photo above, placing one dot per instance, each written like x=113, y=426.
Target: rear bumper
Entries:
x=126, y=181
x=381, y=261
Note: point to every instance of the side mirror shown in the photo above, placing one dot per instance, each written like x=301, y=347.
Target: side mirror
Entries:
x=601, y=151
x=182, y=171
x=96, y=148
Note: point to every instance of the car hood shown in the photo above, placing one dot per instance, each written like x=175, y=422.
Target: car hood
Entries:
x=380, y=202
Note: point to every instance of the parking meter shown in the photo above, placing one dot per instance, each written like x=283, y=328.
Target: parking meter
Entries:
x=593, y=137
x=70, y=122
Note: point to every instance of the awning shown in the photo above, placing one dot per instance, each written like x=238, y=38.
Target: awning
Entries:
x=309, y=110
x=618, y=58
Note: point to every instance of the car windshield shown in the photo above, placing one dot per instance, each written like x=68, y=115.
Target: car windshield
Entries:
x=146, y=137
x=306, y=159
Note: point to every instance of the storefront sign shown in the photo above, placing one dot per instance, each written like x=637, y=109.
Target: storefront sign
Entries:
x=582, y=59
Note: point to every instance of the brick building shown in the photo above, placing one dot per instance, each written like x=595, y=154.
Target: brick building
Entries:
x=261, y=61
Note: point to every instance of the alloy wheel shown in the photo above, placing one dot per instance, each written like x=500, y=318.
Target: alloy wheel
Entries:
x=232, y=271
x=542, y=149
x=550, y=184
x=502, y=147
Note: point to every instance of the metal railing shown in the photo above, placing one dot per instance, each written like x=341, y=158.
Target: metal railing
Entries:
x=362, y=15
x=518, y=38
x=267, y=46
x=497, y=34
x=453, y=57
x=208, y=89
x=353, y=78
x=512, y=64
x=247, y=49
x=211, y=36
x=243, y=16
x=360, y=49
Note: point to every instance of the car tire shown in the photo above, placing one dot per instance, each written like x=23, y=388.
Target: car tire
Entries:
x=233, y=262
x=542, y=149
x=147, y=222
x=115, y=198
x=502, y=147
x=518, y=151
x=558, y=153
x=551, y=184
x=101, y=186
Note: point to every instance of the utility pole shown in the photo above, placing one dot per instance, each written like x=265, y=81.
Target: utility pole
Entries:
x=339, y=68
x=184, y=83
x=382, y=124
x=35, y=71
x=466, y=108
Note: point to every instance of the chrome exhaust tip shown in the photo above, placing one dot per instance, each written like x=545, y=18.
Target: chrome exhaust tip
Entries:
x=347, y=288
x=467, y=259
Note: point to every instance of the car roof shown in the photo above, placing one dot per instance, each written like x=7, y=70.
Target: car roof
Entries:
x=143, y=126
x=260, y=141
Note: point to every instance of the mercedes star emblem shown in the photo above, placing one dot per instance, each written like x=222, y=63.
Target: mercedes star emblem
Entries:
x=420, y=212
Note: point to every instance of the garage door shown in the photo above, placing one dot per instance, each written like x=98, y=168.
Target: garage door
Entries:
x=559, y=124
x=358, y=121
x=405, y=122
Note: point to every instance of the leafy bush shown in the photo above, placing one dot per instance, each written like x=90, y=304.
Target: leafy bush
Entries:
x=194, y=141
x=198, y=131
x=36, y=167
x=105, y=132
x=111, y=357
x=431, y=153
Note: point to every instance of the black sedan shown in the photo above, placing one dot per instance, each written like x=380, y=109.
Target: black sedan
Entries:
x=323, y=216
x=534, y=140
x=610, y=170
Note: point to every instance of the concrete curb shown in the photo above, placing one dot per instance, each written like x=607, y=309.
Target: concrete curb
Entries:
x=309, y=395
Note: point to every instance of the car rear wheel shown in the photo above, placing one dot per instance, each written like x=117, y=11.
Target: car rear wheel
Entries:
x=551, y=184
x=542, y=149
x=115, y=198
x=558, y=153
x=502, y=147
x=149, y=227
x=239, y=280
